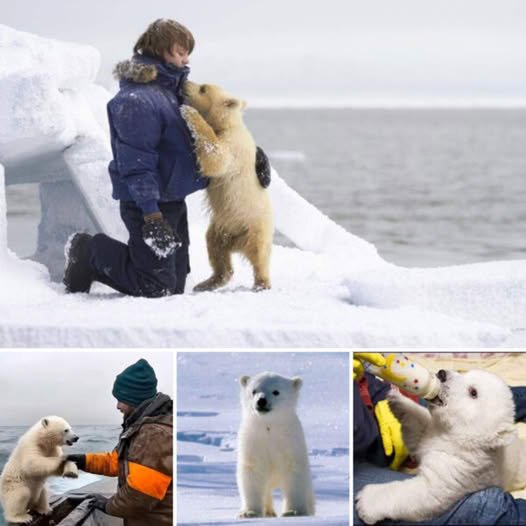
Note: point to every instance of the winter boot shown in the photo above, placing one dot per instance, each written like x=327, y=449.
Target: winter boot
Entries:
x=78, y=275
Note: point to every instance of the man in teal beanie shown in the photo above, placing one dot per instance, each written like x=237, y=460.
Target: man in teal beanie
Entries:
x=143, y=458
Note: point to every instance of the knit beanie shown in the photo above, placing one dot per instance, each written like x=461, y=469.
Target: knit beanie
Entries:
x=135, y=384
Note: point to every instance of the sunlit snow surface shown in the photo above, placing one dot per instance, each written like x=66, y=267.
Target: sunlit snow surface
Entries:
x=208, y=418
x=333, y=290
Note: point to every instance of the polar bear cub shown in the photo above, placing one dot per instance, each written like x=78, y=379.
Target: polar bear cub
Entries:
x=241, y=215
x=464, y=442
x=272, y=453
x=37, y=456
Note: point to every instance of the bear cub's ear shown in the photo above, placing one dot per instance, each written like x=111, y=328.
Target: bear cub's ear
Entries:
x=297, y=382
x=243, y=380
x=45, y=422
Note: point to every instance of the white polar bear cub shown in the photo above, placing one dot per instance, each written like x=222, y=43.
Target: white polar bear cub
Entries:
x=37, y=456
x=272, y=453
x=464, y=442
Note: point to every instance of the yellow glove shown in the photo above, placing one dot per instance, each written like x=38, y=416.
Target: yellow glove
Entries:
x=391, y=433
x=372, y=357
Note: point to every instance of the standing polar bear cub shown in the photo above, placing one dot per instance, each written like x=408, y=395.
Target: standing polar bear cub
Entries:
x=464, y=442
x=272, y=453
x=241, y=216
x=37, y=456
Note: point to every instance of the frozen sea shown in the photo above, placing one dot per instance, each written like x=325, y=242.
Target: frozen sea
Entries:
x=427, y=187
x=92, y=439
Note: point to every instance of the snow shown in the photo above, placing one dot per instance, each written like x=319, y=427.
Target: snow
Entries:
x=208, y=410
x=331, y=290
x=36, y=75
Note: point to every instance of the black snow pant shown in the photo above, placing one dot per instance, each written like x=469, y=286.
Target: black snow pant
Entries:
x=134, y=269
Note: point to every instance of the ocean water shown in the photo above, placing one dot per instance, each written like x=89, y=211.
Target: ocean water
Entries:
x=92, y=439
x=427, y=187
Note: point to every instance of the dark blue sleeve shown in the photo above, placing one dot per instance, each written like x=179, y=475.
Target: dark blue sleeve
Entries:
x=365, y=429
x=367, y=441
x=136, y=129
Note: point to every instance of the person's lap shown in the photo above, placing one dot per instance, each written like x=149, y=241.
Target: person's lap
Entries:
x=485, y=507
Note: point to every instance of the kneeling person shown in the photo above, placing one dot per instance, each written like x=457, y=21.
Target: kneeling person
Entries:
x=143, y=458
x=152, y=171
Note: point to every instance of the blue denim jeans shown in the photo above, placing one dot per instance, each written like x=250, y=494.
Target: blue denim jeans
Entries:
x=485, y=507
x=519, y=397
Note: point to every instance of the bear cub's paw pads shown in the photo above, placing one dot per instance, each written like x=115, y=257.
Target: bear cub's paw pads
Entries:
x=248, y=514
x=44, y=511
x=188, y=110
x=70, y=471
x=189, y=114
x=21, y=519
x=261, y=285
x=292, y=513
x=394, y=396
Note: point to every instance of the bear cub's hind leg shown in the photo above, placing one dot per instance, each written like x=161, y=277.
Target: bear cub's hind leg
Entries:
x=220, y=257
x=16, y=505
x=42, y=503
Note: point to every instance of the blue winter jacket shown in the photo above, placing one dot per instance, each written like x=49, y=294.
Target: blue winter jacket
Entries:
x=153, y=158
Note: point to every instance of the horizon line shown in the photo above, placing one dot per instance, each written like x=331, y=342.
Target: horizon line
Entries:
x=385, y=103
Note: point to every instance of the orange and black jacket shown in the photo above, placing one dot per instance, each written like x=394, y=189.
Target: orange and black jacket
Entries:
x=143, y=461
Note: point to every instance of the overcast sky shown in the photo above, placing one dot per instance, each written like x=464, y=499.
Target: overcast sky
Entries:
x=74, y=385
x=305, y=49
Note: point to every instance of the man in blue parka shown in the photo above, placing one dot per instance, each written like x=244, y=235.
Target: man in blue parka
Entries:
x=152, y=171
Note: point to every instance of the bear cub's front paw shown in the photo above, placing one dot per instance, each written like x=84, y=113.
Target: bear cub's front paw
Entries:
x=248, y=514
x=368, y=503
x=70, y=470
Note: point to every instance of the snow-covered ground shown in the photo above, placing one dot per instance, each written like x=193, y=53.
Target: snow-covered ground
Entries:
x=208, y=415
x=332, y=290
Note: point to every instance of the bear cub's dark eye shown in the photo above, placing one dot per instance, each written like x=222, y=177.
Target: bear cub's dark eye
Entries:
x=254, y=392
x=202, y=89
x=473, y=392
x=275, y=393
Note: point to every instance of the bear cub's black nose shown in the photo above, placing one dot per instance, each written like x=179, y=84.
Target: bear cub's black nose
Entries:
x=262, y=402
x=75, y=439
x=442, y=375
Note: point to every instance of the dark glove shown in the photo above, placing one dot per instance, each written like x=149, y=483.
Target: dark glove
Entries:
x=98, y=501
x=159, y=235
x=262, y=167
x=80, y=460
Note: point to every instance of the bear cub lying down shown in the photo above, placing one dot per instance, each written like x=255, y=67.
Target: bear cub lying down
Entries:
x=464, y=442
x=37, y=456
x=241, y=216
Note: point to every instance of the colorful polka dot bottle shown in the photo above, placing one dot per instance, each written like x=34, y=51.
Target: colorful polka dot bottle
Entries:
x=406, y=374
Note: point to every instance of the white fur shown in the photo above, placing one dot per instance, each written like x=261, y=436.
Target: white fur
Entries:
x=272, y=453
x=467, y=444
x=37, y=456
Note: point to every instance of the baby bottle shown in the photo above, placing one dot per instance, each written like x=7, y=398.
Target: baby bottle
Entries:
x=406, y=374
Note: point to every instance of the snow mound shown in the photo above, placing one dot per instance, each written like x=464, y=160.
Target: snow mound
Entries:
x=35, y=76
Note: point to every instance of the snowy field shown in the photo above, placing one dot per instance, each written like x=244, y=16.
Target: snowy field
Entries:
x=208, y=416
x=332, y=290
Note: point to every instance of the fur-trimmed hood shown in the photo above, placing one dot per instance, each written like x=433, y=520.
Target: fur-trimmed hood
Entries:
x=135, y=71
x=142, y=69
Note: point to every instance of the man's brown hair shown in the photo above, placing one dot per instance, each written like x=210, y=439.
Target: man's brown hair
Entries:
x=161, y=35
